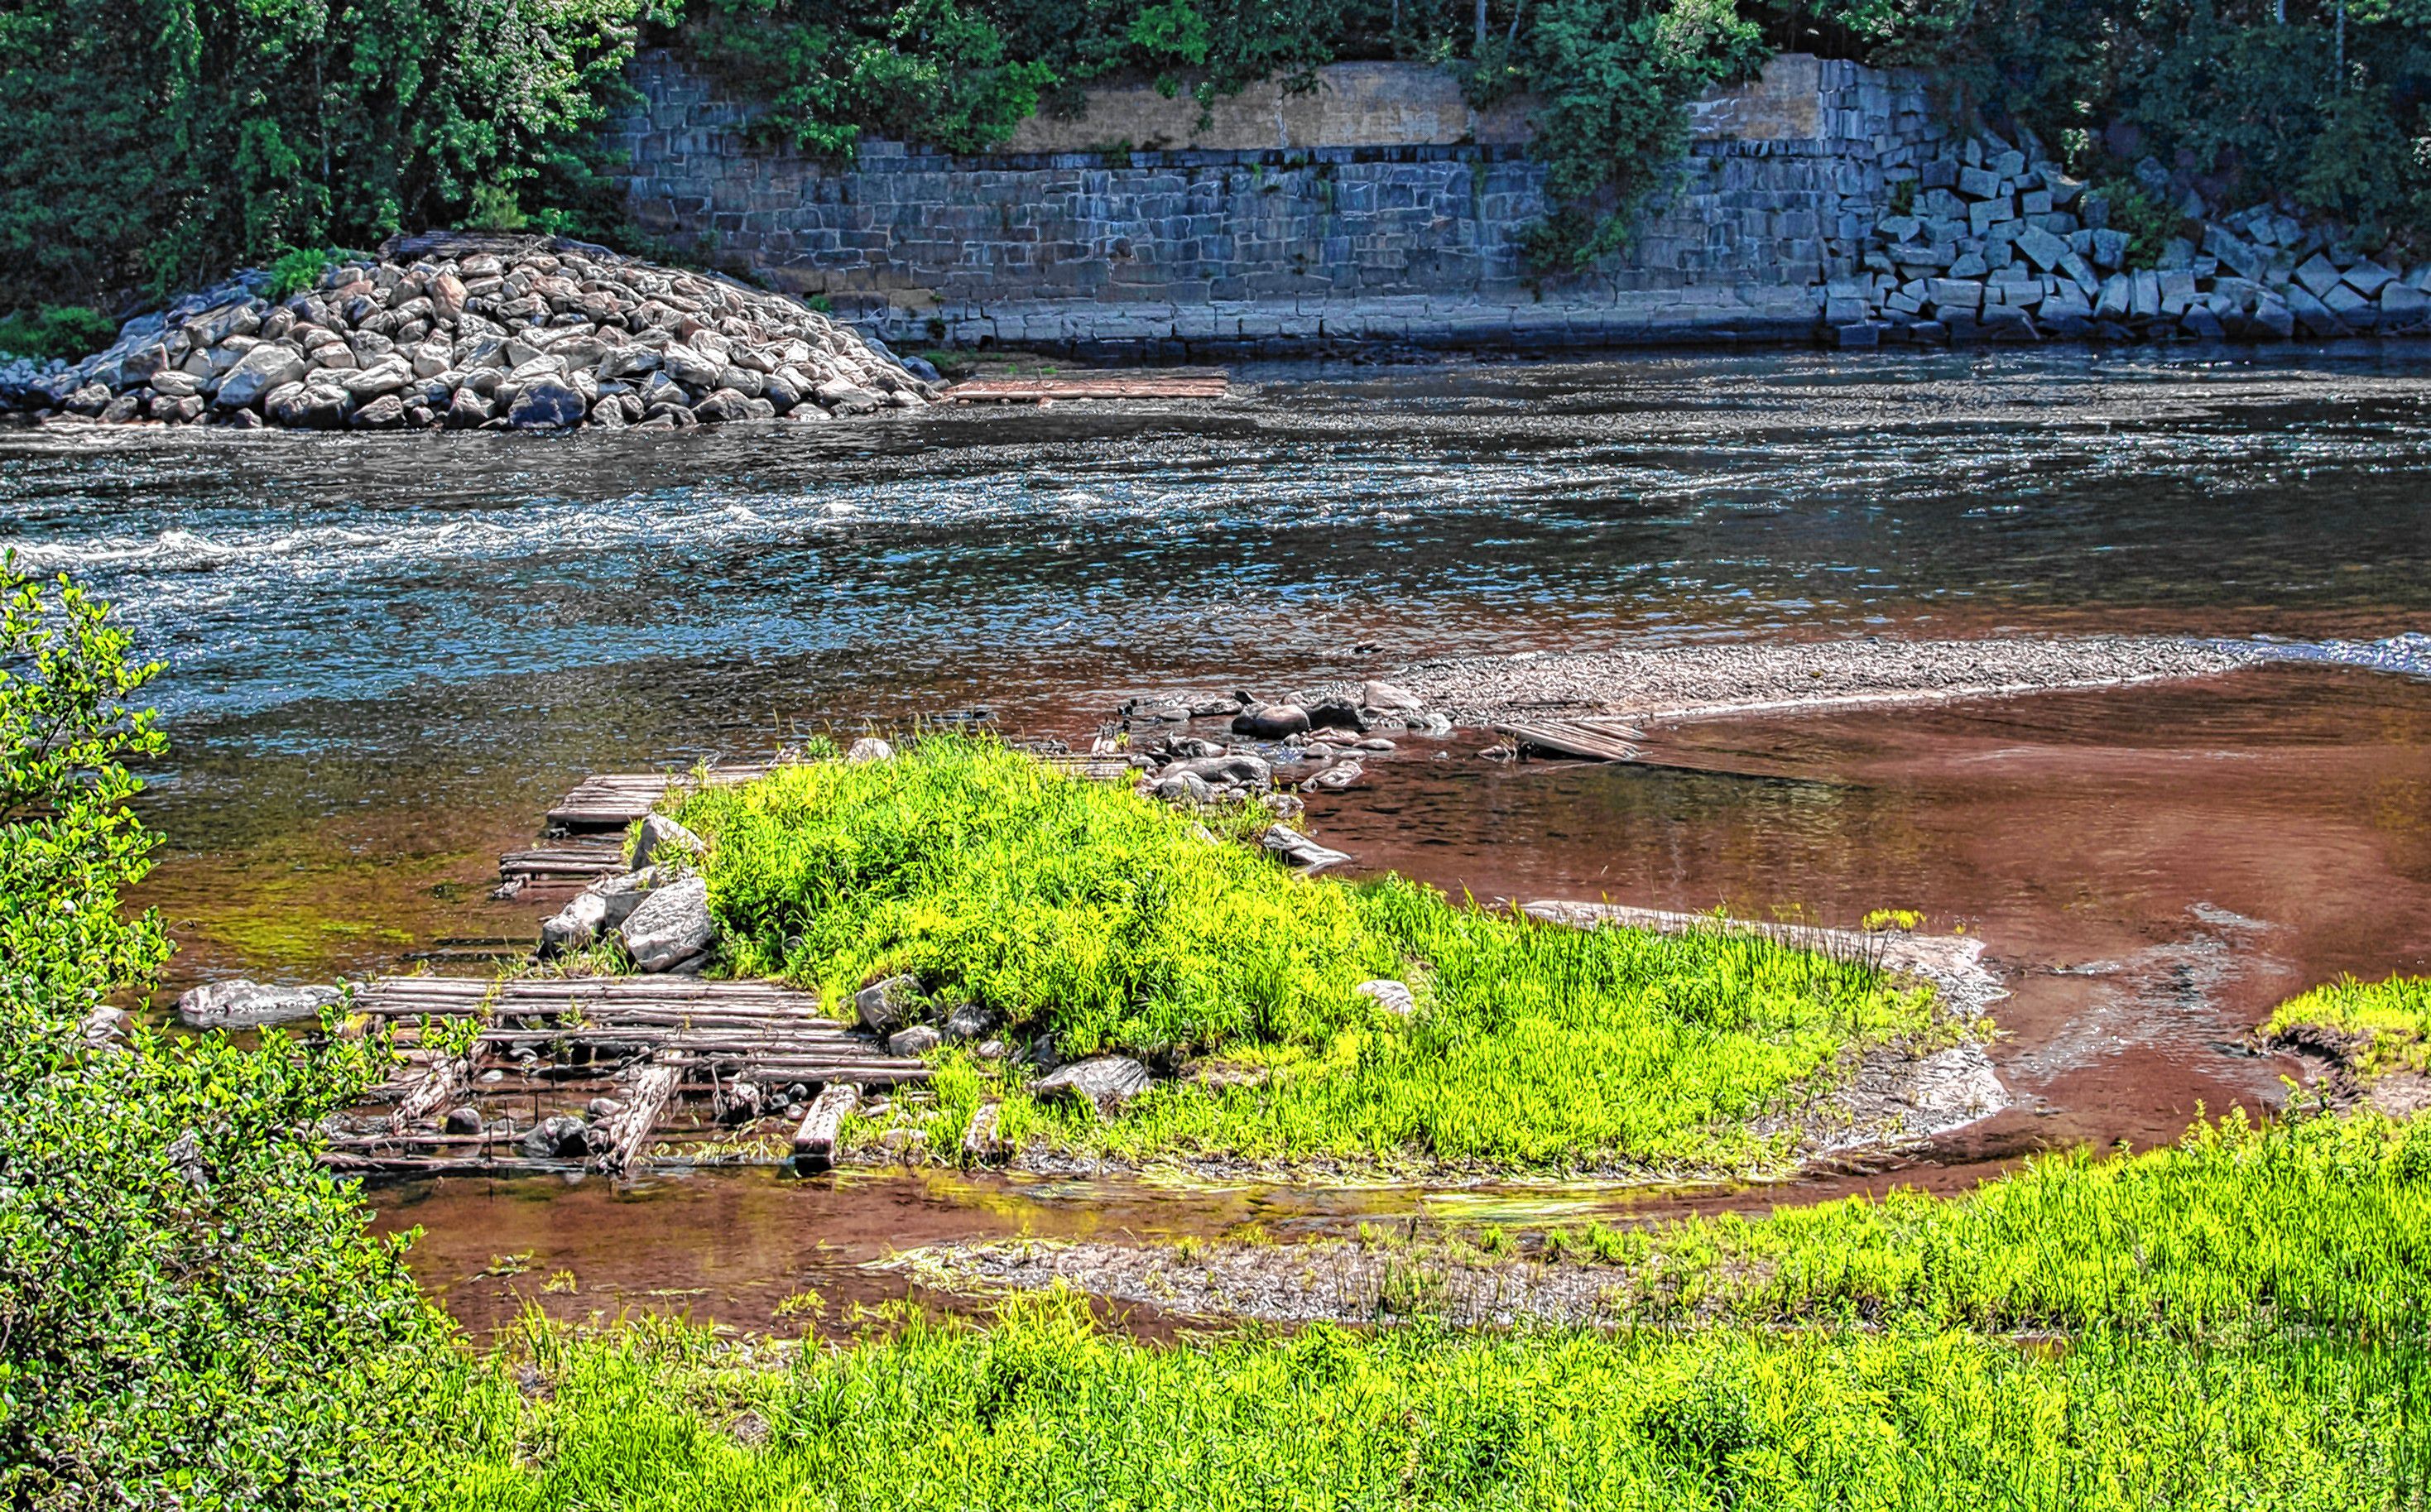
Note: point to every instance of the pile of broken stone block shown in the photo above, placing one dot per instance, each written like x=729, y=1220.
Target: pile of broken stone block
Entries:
x=1998, y=246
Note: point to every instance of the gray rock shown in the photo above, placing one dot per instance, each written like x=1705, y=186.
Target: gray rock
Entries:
x=90, y=400
x=389, y=376
x=621, y=894
x=238, y=1003
x=671, y=926
x=387, y=412
x=547, y=403
x=1299, y=852
x=1393, y=996
x=469, y=411
x=1230, y=769
x=559, y=1137
x=721, y=405
x=1270, y=721
x=869, y=748
x=884, y=1006
x=1182, y=787
x=1105, y=1083
x=105, y=1028
x=658, y=833
x=969, y=1021
x=2319, y=276
x=461, y=1121
x=917, y=1040
x=577, y=927
x=1389, y=696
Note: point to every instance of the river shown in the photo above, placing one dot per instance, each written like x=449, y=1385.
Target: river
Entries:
x=387, y=654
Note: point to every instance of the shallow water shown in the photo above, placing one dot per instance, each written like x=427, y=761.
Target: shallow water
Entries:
x=387, y=654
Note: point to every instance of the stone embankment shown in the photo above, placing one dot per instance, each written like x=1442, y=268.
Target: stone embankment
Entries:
x=1992, y=247
x=480, y=333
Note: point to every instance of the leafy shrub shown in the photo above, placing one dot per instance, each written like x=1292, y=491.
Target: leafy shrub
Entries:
x=191, y=1313
x=57, y=330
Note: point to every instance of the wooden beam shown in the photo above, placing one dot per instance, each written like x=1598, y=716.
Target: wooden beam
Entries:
x=814, y=1142
x=982, y=1143
x=1565, y=738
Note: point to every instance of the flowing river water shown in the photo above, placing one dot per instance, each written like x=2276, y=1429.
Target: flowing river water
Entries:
x=387, y=654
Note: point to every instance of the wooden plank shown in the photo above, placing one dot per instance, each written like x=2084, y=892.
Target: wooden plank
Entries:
x=814, y=1142
x=1565, y=738
x=631, y=1126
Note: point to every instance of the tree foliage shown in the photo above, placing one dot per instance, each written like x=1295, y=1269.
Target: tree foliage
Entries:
x=191, y=1313
x=155, y=142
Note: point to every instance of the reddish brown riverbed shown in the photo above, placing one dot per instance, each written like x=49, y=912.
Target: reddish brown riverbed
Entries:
x=387, y=655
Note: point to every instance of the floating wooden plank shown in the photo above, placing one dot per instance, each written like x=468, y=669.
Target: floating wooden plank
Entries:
x=1053, y=387
x=1572, y=739
x=814, y=1142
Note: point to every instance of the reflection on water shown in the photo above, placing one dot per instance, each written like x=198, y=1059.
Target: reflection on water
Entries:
x=389, y=652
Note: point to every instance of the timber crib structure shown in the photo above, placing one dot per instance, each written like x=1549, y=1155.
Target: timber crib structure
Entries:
x=685, y=1059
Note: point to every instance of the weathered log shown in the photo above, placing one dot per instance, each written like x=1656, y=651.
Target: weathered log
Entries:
x=631, y=1128
x=437, y=1085
x=814, y=1142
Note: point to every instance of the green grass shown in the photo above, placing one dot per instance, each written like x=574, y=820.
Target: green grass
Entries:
x=1042, y=1409
x=2319, y=1225
x=2386, y=1026
x=1116, y=925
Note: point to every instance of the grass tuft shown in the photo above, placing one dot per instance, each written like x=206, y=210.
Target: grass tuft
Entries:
x=1114, y=925
x=2379, y=1027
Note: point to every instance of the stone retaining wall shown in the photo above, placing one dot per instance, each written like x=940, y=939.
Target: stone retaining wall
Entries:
x=1216, y=243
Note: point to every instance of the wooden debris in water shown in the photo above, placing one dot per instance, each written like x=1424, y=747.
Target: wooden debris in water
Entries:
x=983, y=1144
x=1167, y=383
x=1571, y=738
x=578, y=864
x=815, y=1143
x=663, y=1047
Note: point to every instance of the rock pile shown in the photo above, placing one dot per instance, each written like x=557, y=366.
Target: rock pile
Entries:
x=1998, y=247
x=480, y=333
x=659, y=911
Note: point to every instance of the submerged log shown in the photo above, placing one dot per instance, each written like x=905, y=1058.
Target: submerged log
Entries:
x=814, y=1142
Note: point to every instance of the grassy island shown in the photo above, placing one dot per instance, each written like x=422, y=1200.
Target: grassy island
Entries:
x=1082, y=917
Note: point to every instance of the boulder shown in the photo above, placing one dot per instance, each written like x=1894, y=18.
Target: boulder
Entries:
x=721, y=405
x=869, y=748
x=1388, y=696
x=1269, y=721
x=469, y=411
x=886, y=1006
x=1182, y=787
x=559, y=1137
x=659, y=833
x=461, y=1121
x=969, y=1021
x=917, y=1040
x=577, y=927
x=1299, y=852
x=548, y=402
x=238, y=1003
x=671, y=926
x=387, y=412
x=1230, y=769
x=1105, y=1083
x=1337, y=714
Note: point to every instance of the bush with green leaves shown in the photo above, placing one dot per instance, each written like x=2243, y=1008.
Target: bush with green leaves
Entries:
x=191, y=1311
x=154, y=143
